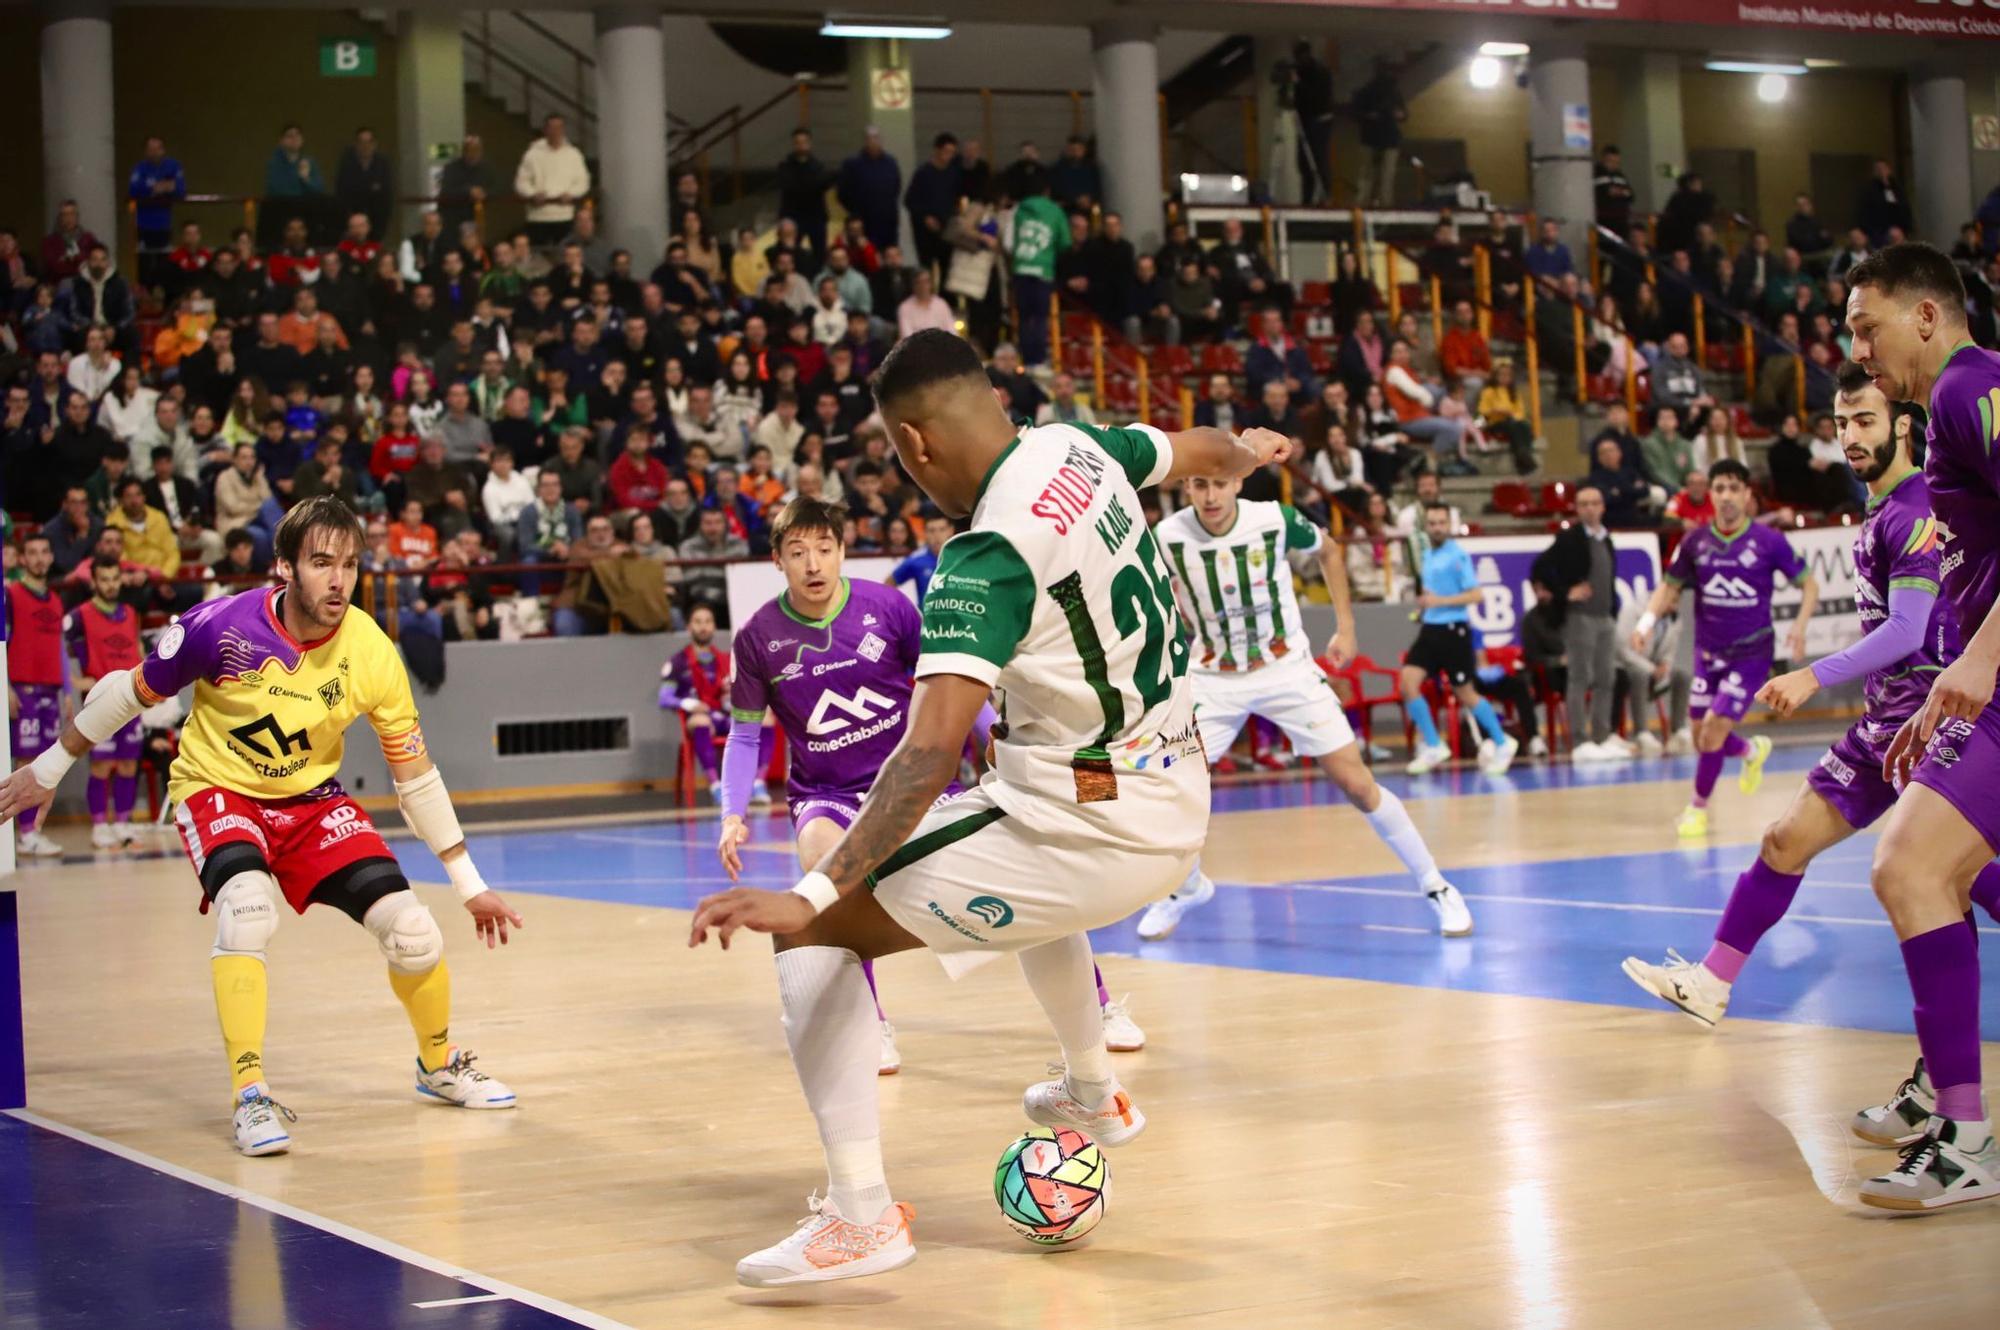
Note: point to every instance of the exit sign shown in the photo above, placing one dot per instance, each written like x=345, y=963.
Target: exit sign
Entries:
x=347, y=58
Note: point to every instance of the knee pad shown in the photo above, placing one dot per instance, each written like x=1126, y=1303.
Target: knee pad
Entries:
x=409, y=937
x=246, y=914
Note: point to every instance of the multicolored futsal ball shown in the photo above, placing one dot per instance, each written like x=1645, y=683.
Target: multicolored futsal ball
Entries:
x=1052, y=1185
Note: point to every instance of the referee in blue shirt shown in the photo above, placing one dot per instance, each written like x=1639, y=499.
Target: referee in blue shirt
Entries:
x=1450, y=588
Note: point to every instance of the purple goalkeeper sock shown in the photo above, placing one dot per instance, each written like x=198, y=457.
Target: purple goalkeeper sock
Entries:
x=1735, y=745
x=1986, y=889
x=1761, y=897
x=868, y=973
x=1103, y=993
x=25, y=822
x=125, y=797
x=1943, y=965
x=1707, y=768
x=100, y=798
x=702, y=739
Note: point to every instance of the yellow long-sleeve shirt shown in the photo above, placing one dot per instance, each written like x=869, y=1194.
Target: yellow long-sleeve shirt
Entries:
x=151, y=541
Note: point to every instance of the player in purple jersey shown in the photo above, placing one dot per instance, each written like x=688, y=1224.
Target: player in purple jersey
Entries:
x=1906, y=310
x=37, y=674
x=1733, y=564
x=1908, y=635
x=833, y=660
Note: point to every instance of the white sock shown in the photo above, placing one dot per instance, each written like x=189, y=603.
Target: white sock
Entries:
x=1065, y=983
x=1391, y=821
x=1192, y=882
x=830, y=1024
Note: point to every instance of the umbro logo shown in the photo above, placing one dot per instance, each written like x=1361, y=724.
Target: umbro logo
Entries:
x=868, y=621
x=835, y=713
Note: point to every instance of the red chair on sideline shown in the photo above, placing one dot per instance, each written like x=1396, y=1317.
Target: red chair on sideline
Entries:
x=1360, y=702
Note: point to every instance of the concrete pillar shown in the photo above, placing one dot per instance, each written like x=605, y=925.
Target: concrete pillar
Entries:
x=1561, y=141
x=632, y=131
x=1941, y=174
x=881, y=91
x=430, y=104
x=1655, y=144
x=77, y=158
x=1125, y=97
x=1277, y=127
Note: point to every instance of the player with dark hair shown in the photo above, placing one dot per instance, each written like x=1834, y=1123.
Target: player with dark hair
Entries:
x=1906, y=310
x=1908, y=636
x=1444, y=647
x=103, y=636
x=36, y=673
x=1733, y=564
x=1096, y=804
x=279, y=674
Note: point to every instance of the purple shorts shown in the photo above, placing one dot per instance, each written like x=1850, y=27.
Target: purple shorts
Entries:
x=1850, y=775
x=1726, y=685
x=39, y=722
x=841, y=808
x=1963, y=764
x=123, y=746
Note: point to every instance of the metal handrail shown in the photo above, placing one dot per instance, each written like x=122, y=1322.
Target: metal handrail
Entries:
x=583, y=58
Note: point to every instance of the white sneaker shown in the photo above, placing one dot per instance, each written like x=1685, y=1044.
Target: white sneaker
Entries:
x=1428, y=758
x=1453, y=916
x=1121, y=1033
x=1590, y=754
x=37, y=845
x=1952, y=1164
x=892, y=1061
x=827, y=1245
x=760, y=795
x=1903, y=1120
x=1494, y=759
x=1111, y=1123
x=260, y=1122
x=1681, y=742
x=1689, y=985
x=1649, y=744
x=1538, y=747
x=459, y=1082
x=127, y=833
x=1162, y=917
x=1620, y=745
x=104, y=836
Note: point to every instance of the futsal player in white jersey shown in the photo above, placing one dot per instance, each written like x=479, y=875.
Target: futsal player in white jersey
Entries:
x=1252, y=658
x=1095, y=805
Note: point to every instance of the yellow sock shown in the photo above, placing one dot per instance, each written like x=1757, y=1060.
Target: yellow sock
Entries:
x=242, y=994
x=427, y=997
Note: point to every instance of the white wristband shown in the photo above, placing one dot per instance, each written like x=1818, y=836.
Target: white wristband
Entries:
x=53, y=764
x=1648, y=621
x=465, y=877
x=818, y=890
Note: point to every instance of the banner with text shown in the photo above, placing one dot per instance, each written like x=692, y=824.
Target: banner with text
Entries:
x=1504, y=564
x=1891, y=18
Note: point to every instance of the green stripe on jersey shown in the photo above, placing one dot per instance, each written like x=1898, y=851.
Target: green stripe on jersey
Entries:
x=1221, y=608
x=1178, y=550
x=1068, y=596
x=951, y=833
x=1252, y=652
x=1271, y=564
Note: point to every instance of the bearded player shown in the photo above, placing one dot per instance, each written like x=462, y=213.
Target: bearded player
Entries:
x=36, y=674
x=1906, y=309
x=103, y=636
x=832, y=659
x=695, y=681
x=1229, y=557
x=1733, y=565
x=279, y=674
x=1908, y=636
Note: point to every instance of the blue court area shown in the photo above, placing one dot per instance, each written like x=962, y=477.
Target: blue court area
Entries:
x=92, y=1238
x=1553, y=929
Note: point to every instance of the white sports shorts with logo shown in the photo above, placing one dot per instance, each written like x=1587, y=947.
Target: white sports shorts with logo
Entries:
x=974, y=884
x=1292, y=694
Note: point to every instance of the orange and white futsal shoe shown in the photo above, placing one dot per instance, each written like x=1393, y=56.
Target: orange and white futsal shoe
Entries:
x=827, y=1245
x=1111, y=1122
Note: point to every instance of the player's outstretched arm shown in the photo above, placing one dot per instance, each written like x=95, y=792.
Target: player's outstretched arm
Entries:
x=942, y=712
x=1208, y=451
x=112, y=703
x=1333, y=567
x=426, y=806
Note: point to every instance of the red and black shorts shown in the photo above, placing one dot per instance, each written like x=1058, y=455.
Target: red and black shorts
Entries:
x=320, y=846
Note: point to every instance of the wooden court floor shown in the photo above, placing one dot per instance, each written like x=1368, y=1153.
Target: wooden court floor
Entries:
x=1323, y=1151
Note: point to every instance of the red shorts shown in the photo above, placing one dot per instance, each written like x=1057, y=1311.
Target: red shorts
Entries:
x=303, y=840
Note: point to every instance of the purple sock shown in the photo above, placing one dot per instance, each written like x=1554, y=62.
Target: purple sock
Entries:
x=100, y=798
x=125, y=797
x=702, y=739
x=1707, y=768
x=1972, y=925
x=1735, y=745
x=25, y=822
x=1103, y=993
x=1986, y=889
x=1943, y=965
x=868, y=973
x=1761, y=897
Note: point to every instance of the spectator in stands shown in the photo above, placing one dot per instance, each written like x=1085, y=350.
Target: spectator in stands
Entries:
x=727, y=497
x=180, y=499
x=1376, y=563
x=412, y=540
x=1024, y=394
x=1152, y=317
x=1692, y=507
x=395, y=450
x=327, y=472
x=363, y=184
x=552, y=180
x=1755, y=266
x=1579, y=570
x=869, y=186
x=1667, y=452
x=1463, y=355
x=1195, y=303
x=1025, y=177
x=712, y=541
x=1362, y=355
x=1336, y=471
x=1628, y=497
x=124, y=409
x=1613, y=191
x=1245, y=275
x=1548, y=259
x=1717, y=439
x=1781, y=292
x=544, y=528
x=1310, y=93
x=1275, y=410
x=300, y=327
x=582, y=476
x=591, y=246
x=268, y=359
x=1276, y=356
x=637, y=480
x=1501, y=411
x=924, y=308
x=1687, y=208
x=1882, y=205
x=932, y=199
x=464, y=185
x=1856, y=249
x=1108, y=263
x=1829, y=457
x=1379, y=108
x=66, y=246
x=75, y=449
x=466, y=436
x=1448, y=261
x=1805, y=232
x=802, y=184
x=1798, y=478
x=153, y=186
x=73, y=531
x=1677, y=381
x=241, y=491
x=1424, y=411
x=290, y=173
x=1075, y=180
x=1352, y=292
x=889, y=286
x=1063, y=408
x=97, y=297
x=780, y=430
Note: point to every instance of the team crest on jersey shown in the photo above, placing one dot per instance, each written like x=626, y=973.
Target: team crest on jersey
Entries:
x=872, y=647
x=333, y=693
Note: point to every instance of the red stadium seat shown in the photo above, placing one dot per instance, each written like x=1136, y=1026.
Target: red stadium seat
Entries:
x=1360, y=702
x=1512, y=498
x=1558, y=498
x=1221, y=358
x=1315, y=293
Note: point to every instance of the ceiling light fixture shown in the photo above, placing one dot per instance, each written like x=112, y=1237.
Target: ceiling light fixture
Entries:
x=912, y=29
x=1754, y=67
x=1501, y=50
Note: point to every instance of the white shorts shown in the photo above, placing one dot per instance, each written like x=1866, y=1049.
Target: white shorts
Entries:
x=1295, y=698
x=973, y=883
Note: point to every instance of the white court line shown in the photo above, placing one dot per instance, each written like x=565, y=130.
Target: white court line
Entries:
x=1395, y=928
x=670, y=843
x=461, y=1302
x=499, y=1290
